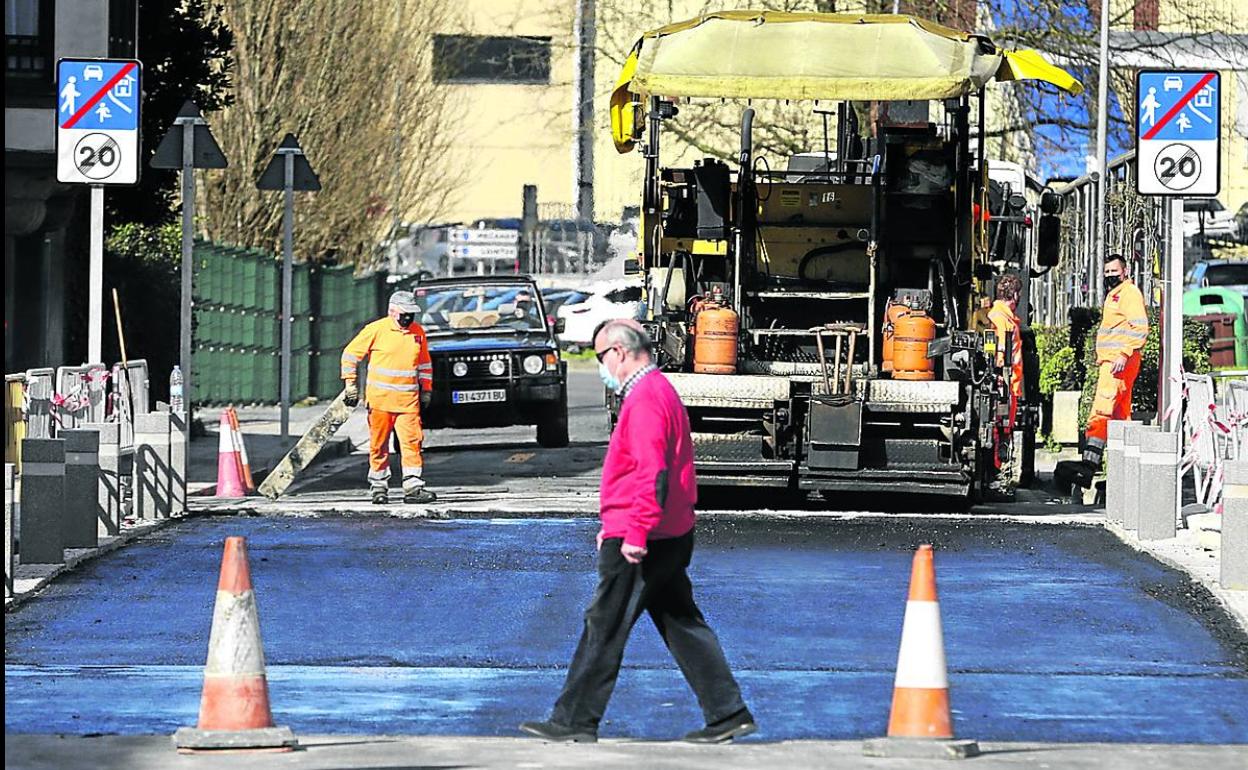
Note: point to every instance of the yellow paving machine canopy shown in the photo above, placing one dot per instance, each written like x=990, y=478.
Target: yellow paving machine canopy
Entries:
x=834, y=56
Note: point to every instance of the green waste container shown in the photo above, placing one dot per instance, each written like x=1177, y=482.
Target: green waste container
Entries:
x=1215, y=300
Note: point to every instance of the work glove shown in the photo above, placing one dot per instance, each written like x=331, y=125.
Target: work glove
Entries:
x=351, y=395
x=426, y=397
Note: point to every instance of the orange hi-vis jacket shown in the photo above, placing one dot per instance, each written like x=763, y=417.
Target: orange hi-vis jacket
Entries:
x=1005, y=320
x=398, y=364
x=1124, y=324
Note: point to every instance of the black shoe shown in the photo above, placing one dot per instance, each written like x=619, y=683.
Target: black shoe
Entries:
x=421, y=495
x=557, y=733
x=381, y=496
x=735, y=726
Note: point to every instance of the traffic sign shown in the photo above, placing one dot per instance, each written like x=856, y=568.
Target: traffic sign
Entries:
x=485, y=250
x=484, y=235
x=1178, y=120
x=98, y=121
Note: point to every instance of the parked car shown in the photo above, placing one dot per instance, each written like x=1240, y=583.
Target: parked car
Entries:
x=1219, y=273
x=617, y=299
x=1241, y=223
x=495, y=357
x=557, y=298
x=1209, y=217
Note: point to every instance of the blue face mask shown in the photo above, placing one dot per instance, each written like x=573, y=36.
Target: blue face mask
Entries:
x=609, y=379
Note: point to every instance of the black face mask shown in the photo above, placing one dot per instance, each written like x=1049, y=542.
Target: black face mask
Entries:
x=1112, y=282
x=407, y=319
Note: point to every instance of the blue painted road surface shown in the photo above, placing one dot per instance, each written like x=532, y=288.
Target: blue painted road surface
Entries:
x=385, y=626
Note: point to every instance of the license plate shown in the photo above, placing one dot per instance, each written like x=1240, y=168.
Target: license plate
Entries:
x=477, y=396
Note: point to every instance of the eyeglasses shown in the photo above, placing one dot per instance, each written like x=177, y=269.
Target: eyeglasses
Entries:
x=601, y=354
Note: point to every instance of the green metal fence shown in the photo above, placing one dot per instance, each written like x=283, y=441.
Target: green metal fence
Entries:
x=237, y=334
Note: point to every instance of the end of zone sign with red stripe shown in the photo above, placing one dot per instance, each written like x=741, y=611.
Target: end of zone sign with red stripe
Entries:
x=1177, y=131
x=98, y=121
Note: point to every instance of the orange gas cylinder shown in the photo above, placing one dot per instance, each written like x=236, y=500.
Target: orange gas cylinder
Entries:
x=715, y=338
x=892, y=314
x=911, y=335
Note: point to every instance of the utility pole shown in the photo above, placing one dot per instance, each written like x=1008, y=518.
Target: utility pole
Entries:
x=1102, y=148
x=583, y=115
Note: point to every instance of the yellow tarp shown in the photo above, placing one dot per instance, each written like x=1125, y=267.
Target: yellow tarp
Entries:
x=776, y=55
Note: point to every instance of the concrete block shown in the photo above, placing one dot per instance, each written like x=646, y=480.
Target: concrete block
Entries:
x=114, y=466
x=179, y=446
x=1114, y=488
x=1159, y=485
x=43, y=501
x=1066, y=417
x=1131, y=474
x=80, y=519
x=10, y=564
x=1234, y=549
x=152, y=499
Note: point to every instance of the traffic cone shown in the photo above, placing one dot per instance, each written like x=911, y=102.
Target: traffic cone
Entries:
x=229, y=466
x=920, y=725
x=248, y=483
x=234, y=711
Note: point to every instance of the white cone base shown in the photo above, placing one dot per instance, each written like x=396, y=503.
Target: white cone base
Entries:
x=263, y=738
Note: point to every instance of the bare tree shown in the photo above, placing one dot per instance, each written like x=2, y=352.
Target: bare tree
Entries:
x=342, y=76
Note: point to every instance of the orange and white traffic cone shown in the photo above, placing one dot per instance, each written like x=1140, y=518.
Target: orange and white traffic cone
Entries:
x=248, y=483
x=234, y=711
x=229, y=467
x=920, y=724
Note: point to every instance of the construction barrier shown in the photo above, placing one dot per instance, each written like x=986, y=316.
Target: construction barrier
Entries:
x=80, y=395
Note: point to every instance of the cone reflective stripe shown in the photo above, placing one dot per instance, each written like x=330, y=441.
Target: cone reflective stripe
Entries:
x=921, y=687
x=243, y=463
x=919, y=723
x=234, y=712
x=229, y=468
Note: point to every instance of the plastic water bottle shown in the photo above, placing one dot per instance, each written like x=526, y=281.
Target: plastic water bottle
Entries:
x=175, y=390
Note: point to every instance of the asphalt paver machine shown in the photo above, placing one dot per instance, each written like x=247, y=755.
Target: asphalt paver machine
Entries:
x=815, y=312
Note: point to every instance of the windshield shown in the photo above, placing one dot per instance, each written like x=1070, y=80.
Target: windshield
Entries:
x=498, y=308
x=1227, y=275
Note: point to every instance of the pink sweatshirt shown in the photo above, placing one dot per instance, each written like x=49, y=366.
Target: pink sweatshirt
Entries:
x=651, y=447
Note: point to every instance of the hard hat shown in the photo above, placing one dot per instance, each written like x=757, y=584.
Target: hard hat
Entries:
x=405, y=301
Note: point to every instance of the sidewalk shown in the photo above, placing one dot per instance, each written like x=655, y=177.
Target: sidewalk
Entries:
x=347, y=752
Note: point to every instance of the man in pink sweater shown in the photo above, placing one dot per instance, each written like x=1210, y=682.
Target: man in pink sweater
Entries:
x=644, y=547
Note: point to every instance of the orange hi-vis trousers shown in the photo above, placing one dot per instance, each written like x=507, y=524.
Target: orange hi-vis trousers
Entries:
x=1113, y=397
x=407, y=425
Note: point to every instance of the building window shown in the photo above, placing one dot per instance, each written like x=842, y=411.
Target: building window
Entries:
x=487, y=59
x=28, y=64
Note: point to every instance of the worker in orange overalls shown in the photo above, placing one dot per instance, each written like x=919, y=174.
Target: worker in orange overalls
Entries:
x=1004, y=318
x=1124, y=329
x=400, y=384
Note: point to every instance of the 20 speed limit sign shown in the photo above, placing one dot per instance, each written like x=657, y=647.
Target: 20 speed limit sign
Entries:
x=1178, y=121
x=1177, y=166
x=97, y=156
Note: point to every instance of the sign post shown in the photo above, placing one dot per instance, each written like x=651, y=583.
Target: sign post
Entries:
x=1177, y=155
x=288, y=171
x=97, y=144
x=188, y=145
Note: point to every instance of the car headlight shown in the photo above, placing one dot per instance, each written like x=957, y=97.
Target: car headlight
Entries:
x=459, y=369
x=533, y=364
x=498, y=367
